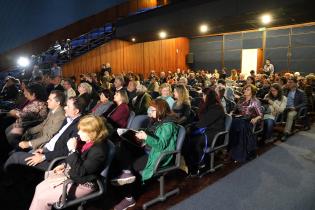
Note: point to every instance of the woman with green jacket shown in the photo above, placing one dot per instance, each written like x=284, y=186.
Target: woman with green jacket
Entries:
x=159, y=137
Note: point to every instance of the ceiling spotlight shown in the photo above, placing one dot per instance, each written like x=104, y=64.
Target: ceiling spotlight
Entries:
x=266, y=19
x=203, y=28
x=133, y=39
x=163, y=34
x=23, y=62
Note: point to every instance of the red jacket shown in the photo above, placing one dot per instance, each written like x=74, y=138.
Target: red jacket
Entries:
x=120, y=115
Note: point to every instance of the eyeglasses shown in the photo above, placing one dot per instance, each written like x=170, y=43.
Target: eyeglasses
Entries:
x=150, y=110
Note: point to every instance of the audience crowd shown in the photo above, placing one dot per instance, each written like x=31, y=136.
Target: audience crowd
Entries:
x=48, y=116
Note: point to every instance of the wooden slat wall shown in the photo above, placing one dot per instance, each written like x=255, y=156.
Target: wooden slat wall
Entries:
x=135, y=5
x=162, y=55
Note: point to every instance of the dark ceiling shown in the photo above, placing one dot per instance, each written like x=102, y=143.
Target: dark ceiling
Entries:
x=182, y=18
x=222, y=16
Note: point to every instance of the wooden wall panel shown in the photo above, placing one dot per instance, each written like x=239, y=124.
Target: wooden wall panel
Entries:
x=161, y=55
x=134, y=58
x=152, y=57
x=168, y=55
x=146, y=3
x=182, y=46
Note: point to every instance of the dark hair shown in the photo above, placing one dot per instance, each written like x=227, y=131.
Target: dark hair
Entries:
x=162, y=108
x=70, y=81
x=107, y=93
x=212, y=98
x=78, y=103
x=221, y=81
x=38, y=78
x=252, y=71
x=284, y=80
x=252, y=78
x=38, y=90
x=294, y=79
x=59, y=96
x=279, y=89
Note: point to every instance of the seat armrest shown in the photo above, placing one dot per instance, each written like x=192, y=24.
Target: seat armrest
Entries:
x=159, y=160
x=302, y=112
x=53, y=162
x=216, y=138
x=254, y=131
x=64, y=203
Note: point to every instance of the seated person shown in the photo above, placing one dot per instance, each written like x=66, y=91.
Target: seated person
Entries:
x=274, y=103
x=166, y=94
x=160, y=137
x=118, y=118
x=296, y=99
x=40, y=134
x=132, y=89
x=10, y=90
x=104, y=103
x=141, y=102
x=34, y=110
x=153, y=87
x=211, y=121
x=82, y=165
x=264, y=90
x=85, y=90
x=69, y=91
x=242, y=143
x=229, y=93
x=182, y=107
x=57, y=145
x=308, y=89
x=227, y=104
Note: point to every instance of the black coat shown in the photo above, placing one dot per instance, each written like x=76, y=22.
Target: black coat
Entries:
x=87, y=166
x=213, y=119
x=61, y=148
x=300, y=99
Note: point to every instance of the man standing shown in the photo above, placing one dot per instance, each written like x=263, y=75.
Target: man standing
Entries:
x=268, y=68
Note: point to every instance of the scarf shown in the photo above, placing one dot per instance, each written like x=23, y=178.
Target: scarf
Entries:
x=87, y=146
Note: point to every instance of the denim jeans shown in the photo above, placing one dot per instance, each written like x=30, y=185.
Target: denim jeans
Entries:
x=268, y=128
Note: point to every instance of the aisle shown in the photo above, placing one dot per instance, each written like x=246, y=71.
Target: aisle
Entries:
x=283, y=178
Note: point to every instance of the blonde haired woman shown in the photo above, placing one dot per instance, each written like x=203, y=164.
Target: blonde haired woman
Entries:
x=82, y=165
x=166, y=94
x=85, y=90
x=182, y=106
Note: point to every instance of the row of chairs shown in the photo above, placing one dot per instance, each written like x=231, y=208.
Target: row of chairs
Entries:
x=137, y=122
x=219, y=142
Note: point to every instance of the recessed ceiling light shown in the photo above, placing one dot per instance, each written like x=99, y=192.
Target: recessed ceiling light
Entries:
x=163, y=34
x=203, y=28
x=266, y=19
